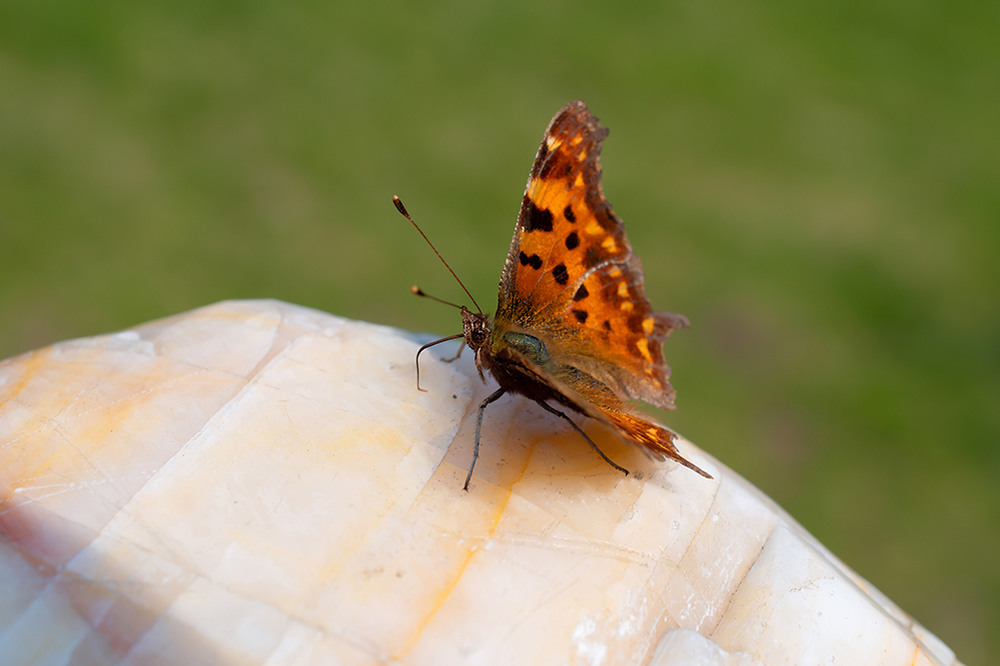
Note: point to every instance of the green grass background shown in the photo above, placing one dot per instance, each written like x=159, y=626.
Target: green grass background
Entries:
x=815, y=185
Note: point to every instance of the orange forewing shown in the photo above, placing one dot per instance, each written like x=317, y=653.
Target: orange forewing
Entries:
x=585, y=275
x=565, y=226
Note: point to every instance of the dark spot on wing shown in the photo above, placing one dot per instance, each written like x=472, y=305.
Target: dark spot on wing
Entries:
x=535, y=218
x=534, y=260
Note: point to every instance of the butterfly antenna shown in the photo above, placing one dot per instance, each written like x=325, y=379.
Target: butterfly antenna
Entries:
x=416, y=290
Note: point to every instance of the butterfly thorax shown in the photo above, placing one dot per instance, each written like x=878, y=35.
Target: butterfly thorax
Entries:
x=517, y=360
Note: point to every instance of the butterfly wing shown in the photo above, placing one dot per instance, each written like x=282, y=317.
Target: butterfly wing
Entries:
x=570, y=275
x=571, y=281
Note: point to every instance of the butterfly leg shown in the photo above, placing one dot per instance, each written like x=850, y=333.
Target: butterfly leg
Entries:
x=608, y=460
x=492, y=397
x=431, y=344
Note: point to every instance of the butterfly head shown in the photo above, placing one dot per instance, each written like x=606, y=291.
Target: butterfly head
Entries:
x=476, y=327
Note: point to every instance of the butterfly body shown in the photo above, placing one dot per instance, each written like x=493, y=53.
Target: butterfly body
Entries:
x=519, y=361
x=573, y=325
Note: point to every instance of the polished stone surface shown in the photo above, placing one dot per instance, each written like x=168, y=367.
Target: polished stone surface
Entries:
x=256, y=482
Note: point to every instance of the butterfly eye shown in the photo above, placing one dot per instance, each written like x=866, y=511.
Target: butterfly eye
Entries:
x=476, y=328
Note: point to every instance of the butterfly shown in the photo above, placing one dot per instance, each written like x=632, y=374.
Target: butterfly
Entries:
x=573, y=325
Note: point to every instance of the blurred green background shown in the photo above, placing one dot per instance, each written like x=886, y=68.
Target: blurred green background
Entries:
x=815, y=185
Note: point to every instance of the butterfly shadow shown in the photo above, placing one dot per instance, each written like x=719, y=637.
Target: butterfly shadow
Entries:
x=520, y=442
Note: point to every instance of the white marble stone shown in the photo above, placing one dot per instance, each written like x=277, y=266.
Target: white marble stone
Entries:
x=259, y=483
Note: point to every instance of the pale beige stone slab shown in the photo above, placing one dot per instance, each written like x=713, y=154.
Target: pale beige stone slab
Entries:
x=259, y=483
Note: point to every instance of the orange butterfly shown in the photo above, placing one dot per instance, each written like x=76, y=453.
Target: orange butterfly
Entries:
x=573, y=325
